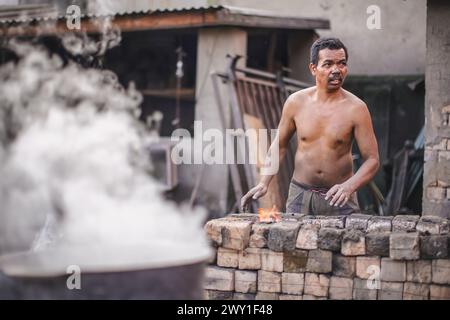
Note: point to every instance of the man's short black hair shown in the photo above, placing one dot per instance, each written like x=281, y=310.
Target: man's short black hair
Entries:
x=324, y=43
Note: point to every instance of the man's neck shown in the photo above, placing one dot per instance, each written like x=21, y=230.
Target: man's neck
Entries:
x=324, y=95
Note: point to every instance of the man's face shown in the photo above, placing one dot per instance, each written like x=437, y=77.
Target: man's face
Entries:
x=331, y=69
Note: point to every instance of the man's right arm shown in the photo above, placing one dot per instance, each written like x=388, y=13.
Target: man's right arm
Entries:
x=286, y=129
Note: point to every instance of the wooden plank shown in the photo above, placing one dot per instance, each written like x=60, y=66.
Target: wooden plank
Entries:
x=266, y=108
x=249, y=100
x=234, y=172
x=258, y=81
x=238, y=121
x=239, y=96
x=271, y=107
x=289, y=160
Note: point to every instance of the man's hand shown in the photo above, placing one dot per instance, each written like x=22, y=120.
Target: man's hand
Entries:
x=340, y=194
x=254, y=193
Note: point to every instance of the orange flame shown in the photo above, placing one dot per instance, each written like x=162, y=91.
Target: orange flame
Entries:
x=269, y=215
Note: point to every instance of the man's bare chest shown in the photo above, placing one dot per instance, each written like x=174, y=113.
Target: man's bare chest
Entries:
x=333, y=128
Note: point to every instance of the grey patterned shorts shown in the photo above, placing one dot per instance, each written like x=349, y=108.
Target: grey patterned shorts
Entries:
x=310, y=200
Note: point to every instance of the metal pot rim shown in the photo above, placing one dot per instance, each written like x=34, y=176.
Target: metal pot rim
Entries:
x=59, y=261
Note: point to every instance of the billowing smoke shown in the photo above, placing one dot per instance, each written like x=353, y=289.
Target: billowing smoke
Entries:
x=73, y=162
x=79, y=44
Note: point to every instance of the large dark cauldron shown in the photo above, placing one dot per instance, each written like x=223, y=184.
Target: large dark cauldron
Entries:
x=162, y=272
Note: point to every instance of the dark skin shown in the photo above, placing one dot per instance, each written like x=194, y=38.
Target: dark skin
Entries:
x=326, y=119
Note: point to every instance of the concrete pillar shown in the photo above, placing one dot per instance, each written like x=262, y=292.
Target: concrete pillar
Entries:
x=436, y=188
x=213, y=46
x=299, y=44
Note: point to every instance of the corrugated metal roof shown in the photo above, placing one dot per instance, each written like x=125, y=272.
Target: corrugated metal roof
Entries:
x=27, y=12
x=229, y=15
x=39, y=12
x=20, y=13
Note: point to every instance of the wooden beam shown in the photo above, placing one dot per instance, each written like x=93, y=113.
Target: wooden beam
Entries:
x=244, y=20
x=159, y=21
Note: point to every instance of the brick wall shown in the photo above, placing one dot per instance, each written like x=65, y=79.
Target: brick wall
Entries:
x=359, y=257
x=436, y=191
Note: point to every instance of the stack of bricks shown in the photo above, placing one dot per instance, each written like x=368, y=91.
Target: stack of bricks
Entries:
x=359, y=257
x=438, y=186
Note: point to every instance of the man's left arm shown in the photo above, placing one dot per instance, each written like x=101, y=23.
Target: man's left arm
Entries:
x=368, y=146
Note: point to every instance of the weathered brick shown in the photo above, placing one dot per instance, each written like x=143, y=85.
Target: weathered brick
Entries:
x=361, y=290
x=244, y=296
x=217, y=295
x=416, y=291
x=227, y=257
x=259, y=235
x=377, y=244
x=418, y=271
x=443, y=156
x=357, y=221
x=332, y=222
x=436, y=193
x=380, y=224
x=250, y=259
x=404, y=246
x=353, y=243
x=252, y=217
x=439, y=292
x=290, y=297
x=344, y=266
x=310, y=219
x=217, y=278
x=366, y=266
x=434, y=246
x=406, y=223
x=330, y=239
x=267, y=296
x=393, y=270
x=316, y=284
x=269, y=281
x=292, y=283
x=308, y=236
x=295, y=261
x=391, y=291
x=236, y=234
x=292, y=216
x=245, y=281
x=341, y=288
x=283, y=236
x=271, y=260
x=213, y=230
x=319, y=261
x=442, y=145
x=432, y=225
x=440, y=270
x=311, y=297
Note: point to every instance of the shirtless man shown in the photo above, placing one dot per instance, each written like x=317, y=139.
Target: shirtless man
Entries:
x=327, y=119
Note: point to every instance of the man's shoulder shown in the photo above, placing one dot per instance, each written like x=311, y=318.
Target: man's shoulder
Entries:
x=303, y=93
x=300, y=95
x=357, y=108
x=353, y=101
x=296, y=100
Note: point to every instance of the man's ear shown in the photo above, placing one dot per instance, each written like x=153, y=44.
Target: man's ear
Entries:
x=312, y=68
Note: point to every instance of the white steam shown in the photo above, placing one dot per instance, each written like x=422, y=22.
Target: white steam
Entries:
x=73, y=162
